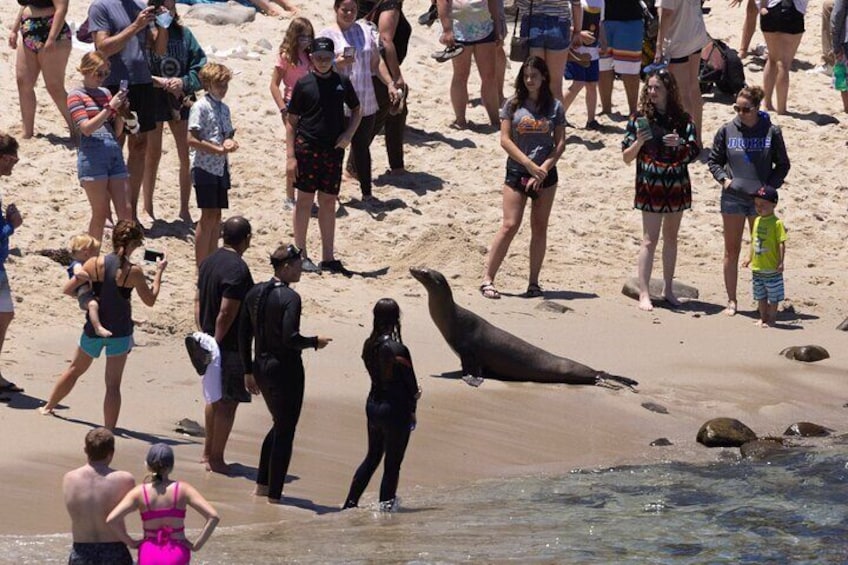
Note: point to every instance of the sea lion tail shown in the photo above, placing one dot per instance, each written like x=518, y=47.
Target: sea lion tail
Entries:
x=615, y=382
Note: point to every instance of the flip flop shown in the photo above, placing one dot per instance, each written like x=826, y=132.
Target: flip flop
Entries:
x=447, y=53
x=11, y=387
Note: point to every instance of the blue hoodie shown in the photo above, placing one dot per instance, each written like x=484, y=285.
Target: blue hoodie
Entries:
x=749, y=157
x=6, y=230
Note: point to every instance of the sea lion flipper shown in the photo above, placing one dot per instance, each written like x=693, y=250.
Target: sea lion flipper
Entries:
x=471, y=380
x=615, y=382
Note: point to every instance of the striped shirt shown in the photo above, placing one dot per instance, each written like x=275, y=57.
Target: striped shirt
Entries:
x=364, y=44
x=85, y=103
x=558, y=8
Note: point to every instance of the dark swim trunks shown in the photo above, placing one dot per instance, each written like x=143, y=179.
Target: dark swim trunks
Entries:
x=318, y=169
x=107, y=553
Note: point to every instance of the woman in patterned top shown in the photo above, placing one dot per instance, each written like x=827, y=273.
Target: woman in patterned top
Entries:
x=663, y=141
x=100, y=162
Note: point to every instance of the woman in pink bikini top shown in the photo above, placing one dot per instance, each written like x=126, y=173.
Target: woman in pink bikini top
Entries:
x=162, y=504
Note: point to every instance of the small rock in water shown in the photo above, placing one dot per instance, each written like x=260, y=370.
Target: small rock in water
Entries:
x=761, y=449
x=661, y=442
x=806, y=353
x=843, y=326
x=551, y=306
x=807, y=429
x=725, y=432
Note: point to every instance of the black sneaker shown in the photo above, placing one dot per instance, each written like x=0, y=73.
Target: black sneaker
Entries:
x=334, y=267
x=429, y=17
x=308, y=266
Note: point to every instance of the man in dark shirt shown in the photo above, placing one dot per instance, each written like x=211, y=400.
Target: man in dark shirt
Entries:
x=271, y=318
x=223, y=281
x=625, y=29
x=315, y=142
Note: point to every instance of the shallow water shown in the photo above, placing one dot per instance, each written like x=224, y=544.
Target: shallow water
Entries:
x=788, y=511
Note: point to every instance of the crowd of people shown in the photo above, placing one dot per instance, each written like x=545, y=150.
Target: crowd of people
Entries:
x=337, y=89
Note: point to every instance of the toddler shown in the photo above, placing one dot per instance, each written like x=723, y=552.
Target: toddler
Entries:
x=83, y=248
x=768, y=247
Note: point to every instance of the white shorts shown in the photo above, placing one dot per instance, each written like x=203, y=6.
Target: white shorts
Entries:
x=6, y=303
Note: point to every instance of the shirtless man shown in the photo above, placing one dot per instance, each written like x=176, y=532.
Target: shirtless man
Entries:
x=90, y=493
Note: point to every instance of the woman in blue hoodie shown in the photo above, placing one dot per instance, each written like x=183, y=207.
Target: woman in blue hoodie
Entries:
x=748, y=153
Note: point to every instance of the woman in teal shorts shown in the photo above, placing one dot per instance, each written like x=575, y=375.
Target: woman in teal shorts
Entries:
x=113, y=279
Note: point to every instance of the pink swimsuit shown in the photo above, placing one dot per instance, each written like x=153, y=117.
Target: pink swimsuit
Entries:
x=158, y=548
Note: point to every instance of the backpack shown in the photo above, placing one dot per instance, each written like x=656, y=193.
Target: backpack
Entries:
x=721, y=68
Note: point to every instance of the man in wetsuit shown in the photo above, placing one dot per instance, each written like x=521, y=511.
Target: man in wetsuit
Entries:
x=270, y=320
x=90, y=493
x=223, y=281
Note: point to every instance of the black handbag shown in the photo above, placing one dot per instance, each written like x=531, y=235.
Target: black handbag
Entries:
x=519, y=47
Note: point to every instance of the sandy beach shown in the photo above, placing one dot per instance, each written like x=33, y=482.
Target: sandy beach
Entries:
x=696, y=362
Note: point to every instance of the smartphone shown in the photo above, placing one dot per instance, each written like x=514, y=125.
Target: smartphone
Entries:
x=642, y=123
x=348, y=52
x=151, y=256
x=125, y=85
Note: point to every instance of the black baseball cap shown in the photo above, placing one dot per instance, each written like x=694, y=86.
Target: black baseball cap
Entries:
x=768, y=193
x=325, y=44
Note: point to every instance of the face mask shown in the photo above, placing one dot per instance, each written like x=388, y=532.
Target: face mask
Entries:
x=164, y=19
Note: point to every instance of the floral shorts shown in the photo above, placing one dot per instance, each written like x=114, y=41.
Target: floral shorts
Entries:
x=35, y=32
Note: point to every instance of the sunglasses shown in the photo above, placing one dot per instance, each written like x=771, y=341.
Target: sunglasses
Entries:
x=743, y=109
x=293, y=253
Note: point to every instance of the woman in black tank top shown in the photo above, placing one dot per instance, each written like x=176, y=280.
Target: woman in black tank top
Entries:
x=45, y=49
x=113, y=278
x=390, y=407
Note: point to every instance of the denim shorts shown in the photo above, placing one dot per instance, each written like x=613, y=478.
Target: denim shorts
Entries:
x=768, y=287
x=93, y=346
x=100, y=157
x=577, y=72
x=546, y=32
x=737, y=203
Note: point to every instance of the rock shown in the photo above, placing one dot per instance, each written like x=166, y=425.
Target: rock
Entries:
x=843, y=326
x=725, y=432
x=190, y=428
x=661, y=442
x=761, y=449
x=806, y=353
x=807, y=429
x=229, y=13
x=61, y=256
x=631, y=289
x=654, y=407
x=551, y=306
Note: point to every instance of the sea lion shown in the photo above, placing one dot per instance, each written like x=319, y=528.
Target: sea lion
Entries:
x=487, y=351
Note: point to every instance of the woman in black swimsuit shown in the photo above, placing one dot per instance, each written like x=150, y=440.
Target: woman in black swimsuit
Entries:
x=390, y=407
x=45, y=50
x=113, y=279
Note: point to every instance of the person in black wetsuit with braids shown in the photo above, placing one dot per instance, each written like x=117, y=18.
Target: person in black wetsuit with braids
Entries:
x=390, y=407
x=270, y=321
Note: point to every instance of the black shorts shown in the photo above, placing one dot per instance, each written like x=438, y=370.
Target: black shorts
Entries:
x=169, y=107
x=114, y=553
x=491, y=38
x=517, y=180
x=142, y=99
x=780, y=20
x=232, y=377
x=211, y=190
x=678, y=60
x=318, y=169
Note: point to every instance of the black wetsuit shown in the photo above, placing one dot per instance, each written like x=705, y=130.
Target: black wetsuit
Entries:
x=391, y=411
x=272, y=315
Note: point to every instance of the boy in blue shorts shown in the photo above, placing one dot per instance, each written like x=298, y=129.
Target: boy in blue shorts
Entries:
x=768, y=248
x=583, y=62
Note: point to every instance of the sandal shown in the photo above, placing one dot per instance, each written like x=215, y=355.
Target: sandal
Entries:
x=489, y=291
x=447, y=53
x=534, y=291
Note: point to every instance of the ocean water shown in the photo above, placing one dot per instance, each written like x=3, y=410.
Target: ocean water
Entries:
x=791, y=510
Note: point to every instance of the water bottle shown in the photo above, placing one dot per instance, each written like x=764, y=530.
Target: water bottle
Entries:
x=840, y=76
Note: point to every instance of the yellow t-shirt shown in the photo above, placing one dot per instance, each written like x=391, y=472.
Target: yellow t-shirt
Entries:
x=767, y=235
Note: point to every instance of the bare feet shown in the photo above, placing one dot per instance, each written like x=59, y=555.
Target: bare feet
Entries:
x=731, y=308
x=671, y=299
x=45, y=411
x=260, y=490
x=217, y=466
x=102, y=332
x=185, y=216
x=645, y=303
